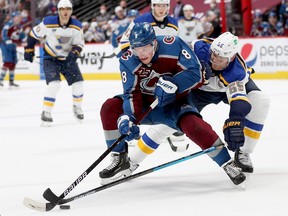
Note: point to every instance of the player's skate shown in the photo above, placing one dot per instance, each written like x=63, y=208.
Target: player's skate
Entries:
x=1, y=83
x=46, y=119
x=120, y=167
x=243, y=161
x=78, y=113
x=13, y=85
x=234, y=172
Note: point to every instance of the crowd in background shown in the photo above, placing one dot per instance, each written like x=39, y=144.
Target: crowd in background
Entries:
x=191, y=25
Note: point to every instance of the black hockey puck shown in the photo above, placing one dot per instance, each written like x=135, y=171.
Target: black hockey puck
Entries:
x=65, y=207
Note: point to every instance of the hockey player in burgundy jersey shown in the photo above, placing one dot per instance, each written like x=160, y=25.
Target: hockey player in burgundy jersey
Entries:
x=12, y=34
x=166, y=68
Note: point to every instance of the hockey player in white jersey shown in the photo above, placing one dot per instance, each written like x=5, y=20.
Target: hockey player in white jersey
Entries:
x=158, y=17
x=63, y=42
x=231, y=83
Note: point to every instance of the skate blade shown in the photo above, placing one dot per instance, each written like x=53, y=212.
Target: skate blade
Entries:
x=45, y=124
x=118, y=176
x=79, y=120
x=13, y=87
x=241, y=187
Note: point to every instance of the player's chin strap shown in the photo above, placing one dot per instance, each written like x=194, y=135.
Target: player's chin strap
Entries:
x=55, y=200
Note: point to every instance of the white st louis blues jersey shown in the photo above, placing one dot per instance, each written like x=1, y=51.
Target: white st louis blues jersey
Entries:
x=168, y=27
x=58, y=40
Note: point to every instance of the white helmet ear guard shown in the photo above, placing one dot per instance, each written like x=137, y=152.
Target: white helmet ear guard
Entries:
x=226, y=45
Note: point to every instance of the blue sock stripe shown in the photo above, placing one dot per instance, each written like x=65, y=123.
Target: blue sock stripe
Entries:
x=149, y=142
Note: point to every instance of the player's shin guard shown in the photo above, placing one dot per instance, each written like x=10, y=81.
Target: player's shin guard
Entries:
x=50, y=95
x=255, y=119
x=204, y=136
x=78, y=92
x=48, y=102
x=149, y=142
x=109, y=113
x=2, y=75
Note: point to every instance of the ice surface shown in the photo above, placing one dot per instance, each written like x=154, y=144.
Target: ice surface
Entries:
x=33, y=158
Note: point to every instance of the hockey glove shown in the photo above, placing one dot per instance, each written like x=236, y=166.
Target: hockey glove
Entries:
x=127, y=127
x=165, y=91
x=29, y=54
x=234, y=133
x=206, y=69
x=72, y=57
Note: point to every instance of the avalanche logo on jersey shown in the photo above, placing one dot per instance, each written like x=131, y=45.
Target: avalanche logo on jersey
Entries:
x=148, y=84
x=249, y=54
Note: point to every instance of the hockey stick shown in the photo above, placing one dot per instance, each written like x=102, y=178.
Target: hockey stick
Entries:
x=177, y=148
x=109, y=56
x=44, y=206
x=54, y=200
x=80, y=57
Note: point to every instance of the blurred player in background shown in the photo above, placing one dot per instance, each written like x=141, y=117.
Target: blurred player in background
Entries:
x=64, y=41
x=160, y=20
x=12, y=34
x=190, y=27
x=118, y=33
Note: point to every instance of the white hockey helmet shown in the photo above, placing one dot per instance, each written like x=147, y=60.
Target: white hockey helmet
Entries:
x=64, y=4
x=188, y=7
x=226, y=45
x=160, y=2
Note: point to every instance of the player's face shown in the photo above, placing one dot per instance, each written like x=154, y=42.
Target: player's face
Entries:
x=160, y=10
x=65, y=13
x=145, y=53
x=218, y=62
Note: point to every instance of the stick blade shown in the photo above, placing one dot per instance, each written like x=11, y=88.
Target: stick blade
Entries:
x=50, y=196
x=37, y=206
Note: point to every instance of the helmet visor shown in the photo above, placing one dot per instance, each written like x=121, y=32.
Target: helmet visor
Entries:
x=144, y=50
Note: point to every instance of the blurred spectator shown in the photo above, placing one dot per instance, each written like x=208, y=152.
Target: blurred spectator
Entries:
x=3, y=13
x=120, y=17
x=283, y=12
x=118, y=33
x=123, y=4
x=258, y=25
x=286, y=28
x=104, y=16
x=207, y=26
x=95, y=33
x=215, y=31
x=273, y=28
x=88, y=35
x=26, y=21
x=52, y=7
x=215, y=9
x=190, y=28
x=178, y=9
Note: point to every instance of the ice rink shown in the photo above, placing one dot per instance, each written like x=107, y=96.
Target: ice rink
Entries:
x=33, y=158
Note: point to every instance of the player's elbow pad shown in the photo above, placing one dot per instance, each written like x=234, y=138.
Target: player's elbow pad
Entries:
x=239, y=108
